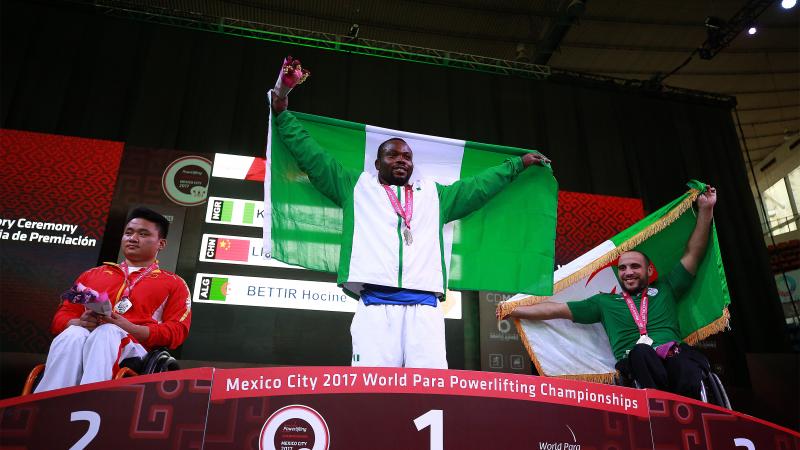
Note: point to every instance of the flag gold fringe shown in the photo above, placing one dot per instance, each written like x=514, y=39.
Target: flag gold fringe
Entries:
x=630, y=244
x=606, y=378
x=721, y=324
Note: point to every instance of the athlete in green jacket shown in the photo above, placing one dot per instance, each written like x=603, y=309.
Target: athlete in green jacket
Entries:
x=392, y=253
x=641, y=321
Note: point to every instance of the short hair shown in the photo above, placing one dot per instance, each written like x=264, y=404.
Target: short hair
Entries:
x=383, y=144
x=646, y=258
x=148, y=214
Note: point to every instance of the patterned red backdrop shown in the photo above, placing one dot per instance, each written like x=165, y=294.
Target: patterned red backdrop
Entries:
x=53, y=179
x=586, y=220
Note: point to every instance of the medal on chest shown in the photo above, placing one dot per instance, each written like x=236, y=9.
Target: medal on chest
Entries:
x=639, y=317
x=407, y=236
x=125, y=304
x=404, y=214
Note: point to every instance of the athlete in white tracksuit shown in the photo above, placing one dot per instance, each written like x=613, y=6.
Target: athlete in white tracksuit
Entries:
x=392, y=254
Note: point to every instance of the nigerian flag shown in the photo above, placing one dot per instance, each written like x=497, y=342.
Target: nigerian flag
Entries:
x=562, y=348
x=507, y=245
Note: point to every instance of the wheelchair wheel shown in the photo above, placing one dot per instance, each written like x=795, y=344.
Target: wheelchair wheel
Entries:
x=159, y=361
x=720, y=396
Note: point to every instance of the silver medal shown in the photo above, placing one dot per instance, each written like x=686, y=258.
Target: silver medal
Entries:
x=123, y=305
x=407, y=235
x=645, y=339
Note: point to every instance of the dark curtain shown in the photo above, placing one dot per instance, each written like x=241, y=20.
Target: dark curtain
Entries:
x=69, y=70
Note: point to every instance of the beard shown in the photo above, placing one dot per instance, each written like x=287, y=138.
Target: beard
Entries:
x=394, y=180
x=398, y=181
x=640, y=286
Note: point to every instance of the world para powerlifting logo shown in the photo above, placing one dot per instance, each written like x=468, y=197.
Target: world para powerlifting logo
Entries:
x=295, y=427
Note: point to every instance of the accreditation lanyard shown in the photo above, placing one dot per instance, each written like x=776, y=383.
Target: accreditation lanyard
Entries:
x=129, y=285
x=640, y=317
x=405, y=214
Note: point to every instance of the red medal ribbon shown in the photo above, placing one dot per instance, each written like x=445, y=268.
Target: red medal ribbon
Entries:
x=640, y=318
x=405, y=214
x=129, y=286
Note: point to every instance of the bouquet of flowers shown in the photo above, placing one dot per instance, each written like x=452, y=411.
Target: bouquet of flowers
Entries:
x=91, y=299
x=292, y=73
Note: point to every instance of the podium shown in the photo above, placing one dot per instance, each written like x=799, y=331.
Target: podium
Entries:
x=319, y=408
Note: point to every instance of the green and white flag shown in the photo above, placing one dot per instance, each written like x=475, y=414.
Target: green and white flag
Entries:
x=508, y=245
x=562, y=348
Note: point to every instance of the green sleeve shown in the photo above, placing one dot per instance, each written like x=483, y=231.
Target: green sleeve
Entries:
x=326, y=173
x=465, y=196
x=679, y=280
x=585, y=311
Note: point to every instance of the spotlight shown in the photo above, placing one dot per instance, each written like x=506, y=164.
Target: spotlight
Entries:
x=714, y=23
x=352, y=35
x=522, y=53
x=788, y=4
x=721, y=34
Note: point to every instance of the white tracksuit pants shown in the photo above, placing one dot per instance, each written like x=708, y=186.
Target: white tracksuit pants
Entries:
x=398, y=336
x=78, y=356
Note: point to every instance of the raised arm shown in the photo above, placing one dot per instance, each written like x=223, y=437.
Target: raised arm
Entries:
x=278, y=103
x=465, y=196
x=324, y=171
x=698, y=241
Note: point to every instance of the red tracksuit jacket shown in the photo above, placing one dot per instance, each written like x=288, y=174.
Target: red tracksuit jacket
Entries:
x=161, y=301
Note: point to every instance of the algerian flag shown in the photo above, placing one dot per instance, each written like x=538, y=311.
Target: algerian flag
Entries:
x=508, y=245
x=562, y=348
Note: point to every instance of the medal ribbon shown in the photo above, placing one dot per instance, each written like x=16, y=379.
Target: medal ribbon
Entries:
x=405, y=214
x=640, y=318
x=130, y=285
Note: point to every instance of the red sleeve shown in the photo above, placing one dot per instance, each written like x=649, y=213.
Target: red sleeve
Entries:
x=175, y=322
x=67, y=311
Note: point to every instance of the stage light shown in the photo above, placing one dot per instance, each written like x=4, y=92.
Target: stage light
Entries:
x=353, y=33
x=721, y=34
x=522, y=53
x=788, y=4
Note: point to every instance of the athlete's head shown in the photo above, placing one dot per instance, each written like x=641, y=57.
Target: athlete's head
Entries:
x=634, y=271
x=144, y=235
x=395, y=162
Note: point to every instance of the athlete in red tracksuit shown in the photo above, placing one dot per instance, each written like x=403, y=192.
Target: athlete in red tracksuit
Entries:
x=88, y=347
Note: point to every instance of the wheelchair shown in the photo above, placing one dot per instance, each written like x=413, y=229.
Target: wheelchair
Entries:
x=156, y=361
x=711, y=389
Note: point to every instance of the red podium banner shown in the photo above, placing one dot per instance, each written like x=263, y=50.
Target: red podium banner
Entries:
x=383, y=408
x=698, y=425
x=161, y=411
x=320, y=408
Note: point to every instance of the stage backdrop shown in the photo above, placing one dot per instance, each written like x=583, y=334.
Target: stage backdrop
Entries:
x=56, y=193
x=69, y=70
